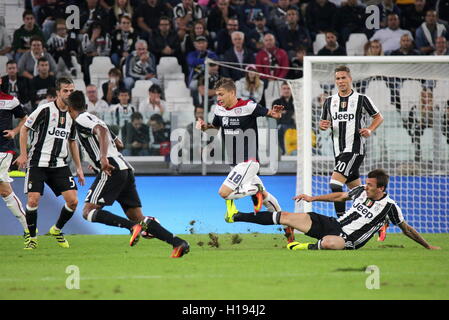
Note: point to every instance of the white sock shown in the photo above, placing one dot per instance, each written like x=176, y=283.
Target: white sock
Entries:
x=243, y=191
x=15, y=206
x=271, y=203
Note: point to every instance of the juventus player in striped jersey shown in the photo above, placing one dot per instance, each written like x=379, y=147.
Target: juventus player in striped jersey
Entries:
x=9, y=107
x=345, y=113
x=237, y=119
x=115, y=180
x=371, y=207
x=52, y=135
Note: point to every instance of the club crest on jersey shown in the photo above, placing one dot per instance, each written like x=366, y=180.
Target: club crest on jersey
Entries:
x=238, y=111
x=369, y=203
x=344, y=104
x=225, y=121
x=61, y=120
x=2, y=104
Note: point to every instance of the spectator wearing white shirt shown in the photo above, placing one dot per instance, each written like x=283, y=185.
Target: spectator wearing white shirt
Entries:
x=390, y=37
x=122, y=111
x=429, y=30
x=94, y=104
x=154, y=103
x=250, y=86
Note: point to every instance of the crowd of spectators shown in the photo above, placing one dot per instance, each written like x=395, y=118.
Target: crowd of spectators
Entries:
x=258, y=36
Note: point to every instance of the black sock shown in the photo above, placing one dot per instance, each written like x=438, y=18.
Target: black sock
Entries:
x=340, y=207
x=31, y=217
x=314, y=246
x=110, y=219
x=63, y=217
x=262, y=217
x=158, y=231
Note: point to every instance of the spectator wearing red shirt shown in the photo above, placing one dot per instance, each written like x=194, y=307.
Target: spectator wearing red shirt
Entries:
x=272, y=57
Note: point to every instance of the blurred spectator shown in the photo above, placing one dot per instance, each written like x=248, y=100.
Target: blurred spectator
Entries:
x=250, y=86
x=407, y=47
x=445, y=123
x=5, y=42
x=278, y=14
x=331, y=48
x=14, y=84
x=272, y=57
x=122, y=111
x=137, y=137
x=419, y=118
x=442, y=7
x=256, y=35
x=94, y=104
x=373, y=48
x=195, y=59
x=49, y=97
x=441, y=47
x=63, y=45
x=320, y=16
x=414, y=15
x=237, y=54
x=218, y=16
x=350, y=18
x=286, y=121
x=119, y=9
x=28, y=62
x=214, y=76
x=297, y=62
x=165, y=42
x=41, y=82
x=154, y=103
x=186, y=13
x=223, y=39
x=428, y=32
x=293, y=35
x=113, y=86
x=123, y=41
x=91, y=12
x=96, y=42
x=387, y=7
x=160, y=136
x=192, y=138
x=22, y=37
x=36, y=5
x=148, y=15
x=250, y=10
x=390, y=37
x=140, y=65
x=48, y=14
x=199, y=29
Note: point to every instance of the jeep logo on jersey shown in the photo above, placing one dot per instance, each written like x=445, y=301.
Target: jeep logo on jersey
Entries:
x=343, y=116
x=59, y=133
x=364, y=211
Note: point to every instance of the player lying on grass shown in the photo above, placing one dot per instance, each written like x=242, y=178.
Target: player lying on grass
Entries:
x=370, y=209
x=115, y=180
x=237, y=119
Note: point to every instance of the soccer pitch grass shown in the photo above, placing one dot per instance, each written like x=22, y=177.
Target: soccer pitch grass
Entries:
x=244, y=266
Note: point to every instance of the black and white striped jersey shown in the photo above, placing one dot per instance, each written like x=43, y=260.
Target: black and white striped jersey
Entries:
x=84, y=124
x=366, y=216
x=348, y=115
x=51, y=128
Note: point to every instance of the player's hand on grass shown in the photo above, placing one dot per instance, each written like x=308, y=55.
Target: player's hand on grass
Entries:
x=8, y=134
x=304, y=197
x=21, y=161
x=80, y=174
x=325, y=124
x=365, y=132
x=106, y=166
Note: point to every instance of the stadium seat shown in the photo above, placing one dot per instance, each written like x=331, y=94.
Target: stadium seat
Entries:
x=355, y=44
x=272, y=92
x=319, y=43
x=176, y=89
x=80, y=85
x=168, y=66
x=3, y=60
x=140, y=91
x=99, y=69
x=13, y=18
x=399, y=145
x=410, y=94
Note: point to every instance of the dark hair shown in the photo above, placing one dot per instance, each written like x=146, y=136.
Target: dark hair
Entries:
x=123, y=90
x=342, y=69
x=155, y=89
x=36, y=38
x=51, y=92
x=225, y=83
x=136, y=116
x=165, y=18
x=42, y=59
x=11, y=62
x=381, y=176
x=77, y=101
x=95, y=24
x=27, y=13
x=116, y=72
x=62, y=80
x=333, y=32
x=157, y=117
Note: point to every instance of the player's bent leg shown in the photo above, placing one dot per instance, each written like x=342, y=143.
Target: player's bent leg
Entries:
x=225, y=191
x=299, y=221
x=14, y=205
x=31, y=219
x=135, y=214
x=332, y=243
x=336, y=185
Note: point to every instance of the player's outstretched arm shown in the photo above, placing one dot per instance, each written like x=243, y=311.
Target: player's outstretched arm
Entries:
x=22, y=159
x=410, y=232
x=203, y=126
x=330, y=197
x=101, y=133
x=74, y=150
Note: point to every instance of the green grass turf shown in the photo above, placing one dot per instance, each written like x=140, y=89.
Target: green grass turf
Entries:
x=259, y=267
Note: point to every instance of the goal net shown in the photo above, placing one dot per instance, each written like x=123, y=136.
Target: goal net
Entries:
x=412, y=144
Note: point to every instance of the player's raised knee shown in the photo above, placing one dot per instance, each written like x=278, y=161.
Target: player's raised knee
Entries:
x=332, y=243
x=72, y=204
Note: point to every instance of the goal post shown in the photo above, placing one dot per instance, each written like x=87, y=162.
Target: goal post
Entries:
x=412, y=144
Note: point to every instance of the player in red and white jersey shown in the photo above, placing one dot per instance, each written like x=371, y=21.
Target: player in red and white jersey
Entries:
x=9, y=107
